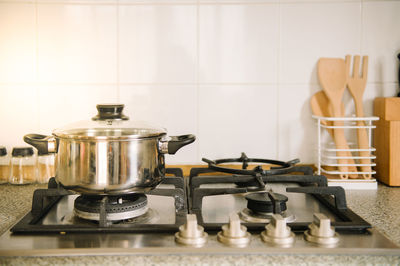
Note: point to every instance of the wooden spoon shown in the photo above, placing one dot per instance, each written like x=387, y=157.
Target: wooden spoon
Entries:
x=320, y=106
x=332, y=75
x=356, y=85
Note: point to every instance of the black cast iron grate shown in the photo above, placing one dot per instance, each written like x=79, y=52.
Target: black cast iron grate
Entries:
x=332, y=197
x=45, y=199
x=189, y=196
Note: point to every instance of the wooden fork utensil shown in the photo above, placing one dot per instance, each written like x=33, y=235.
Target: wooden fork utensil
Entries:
x=356, y=84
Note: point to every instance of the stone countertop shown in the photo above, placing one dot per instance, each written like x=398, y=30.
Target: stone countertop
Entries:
x=378, y=207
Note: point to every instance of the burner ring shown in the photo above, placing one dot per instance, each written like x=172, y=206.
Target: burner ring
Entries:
x=117, y=207
x=282, y=168
x=251, y=217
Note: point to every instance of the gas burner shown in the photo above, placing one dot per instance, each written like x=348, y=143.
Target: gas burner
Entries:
x=262, y=205
x=258, y=172
x=266, y=202
x=117, y=208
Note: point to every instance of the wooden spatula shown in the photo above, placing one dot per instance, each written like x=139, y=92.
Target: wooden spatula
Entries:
x=332, y=76
x=356, y=85
x=320, y=106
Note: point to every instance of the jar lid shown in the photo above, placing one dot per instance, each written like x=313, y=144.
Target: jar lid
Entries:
x=3, y=151
x=109, y=124
x=22, y=151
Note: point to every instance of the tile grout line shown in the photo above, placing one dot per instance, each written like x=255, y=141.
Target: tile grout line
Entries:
x=361, y=25
x=197, y=74
x=197, y=3
x=278, y=78
x=176, y=84
x=118, y=54
x=179, y=84
x=194, y=2
x=38, y=123
x=243, y=2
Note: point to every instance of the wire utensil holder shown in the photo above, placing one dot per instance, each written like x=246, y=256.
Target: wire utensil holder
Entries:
x=327, y=156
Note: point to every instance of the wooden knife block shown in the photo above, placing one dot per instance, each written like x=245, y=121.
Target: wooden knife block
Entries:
x=387, y=140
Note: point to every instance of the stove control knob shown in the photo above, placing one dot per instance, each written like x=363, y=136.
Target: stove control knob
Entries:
x=234, y=234
x=277, y=232
x=320, y=231
x=191, y=233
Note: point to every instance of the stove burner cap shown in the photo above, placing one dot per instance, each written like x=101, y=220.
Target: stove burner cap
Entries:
x=118, y=208
x=266, y=202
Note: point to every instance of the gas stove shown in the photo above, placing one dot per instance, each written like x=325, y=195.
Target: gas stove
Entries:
x=252, y=209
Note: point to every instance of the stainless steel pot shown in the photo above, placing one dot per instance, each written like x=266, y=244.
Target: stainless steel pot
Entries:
x=109, y=154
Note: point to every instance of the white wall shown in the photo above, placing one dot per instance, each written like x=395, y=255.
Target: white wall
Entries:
x=238, y=74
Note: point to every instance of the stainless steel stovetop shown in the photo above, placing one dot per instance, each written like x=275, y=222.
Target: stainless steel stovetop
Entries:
x=52, y=228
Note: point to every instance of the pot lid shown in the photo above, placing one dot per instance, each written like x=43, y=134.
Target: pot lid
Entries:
x=109, y=123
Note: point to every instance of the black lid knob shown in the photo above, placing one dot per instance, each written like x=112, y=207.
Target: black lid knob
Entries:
x=22, y=151
x=110, y=112
x=3, y=151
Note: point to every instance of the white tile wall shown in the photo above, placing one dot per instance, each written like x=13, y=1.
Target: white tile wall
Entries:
x=238, y=44
x=313, y=30
x=77, y=43
x=295, y=128
x=18, y=113
x=17, y=43
x=381, y=39
x=157, y=43
x=238, y=74
x=237, y=118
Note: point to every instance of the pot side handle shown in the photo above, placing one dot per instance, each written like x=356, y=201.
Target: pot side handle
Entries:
x=177, y=142
x=44, y=144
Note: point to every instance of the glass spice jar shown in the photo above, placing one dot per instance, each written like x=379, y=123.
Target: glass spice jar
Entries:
x=23, y=166
x=4, y=165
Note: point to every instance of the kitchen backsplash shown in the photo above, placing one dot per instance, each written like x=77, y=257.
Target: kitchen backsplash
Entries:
x=237, y=74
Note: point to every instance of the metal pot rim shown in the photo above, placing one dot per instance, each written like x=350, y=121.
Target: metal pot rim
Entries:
x=106, y=191
x=126, y=137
